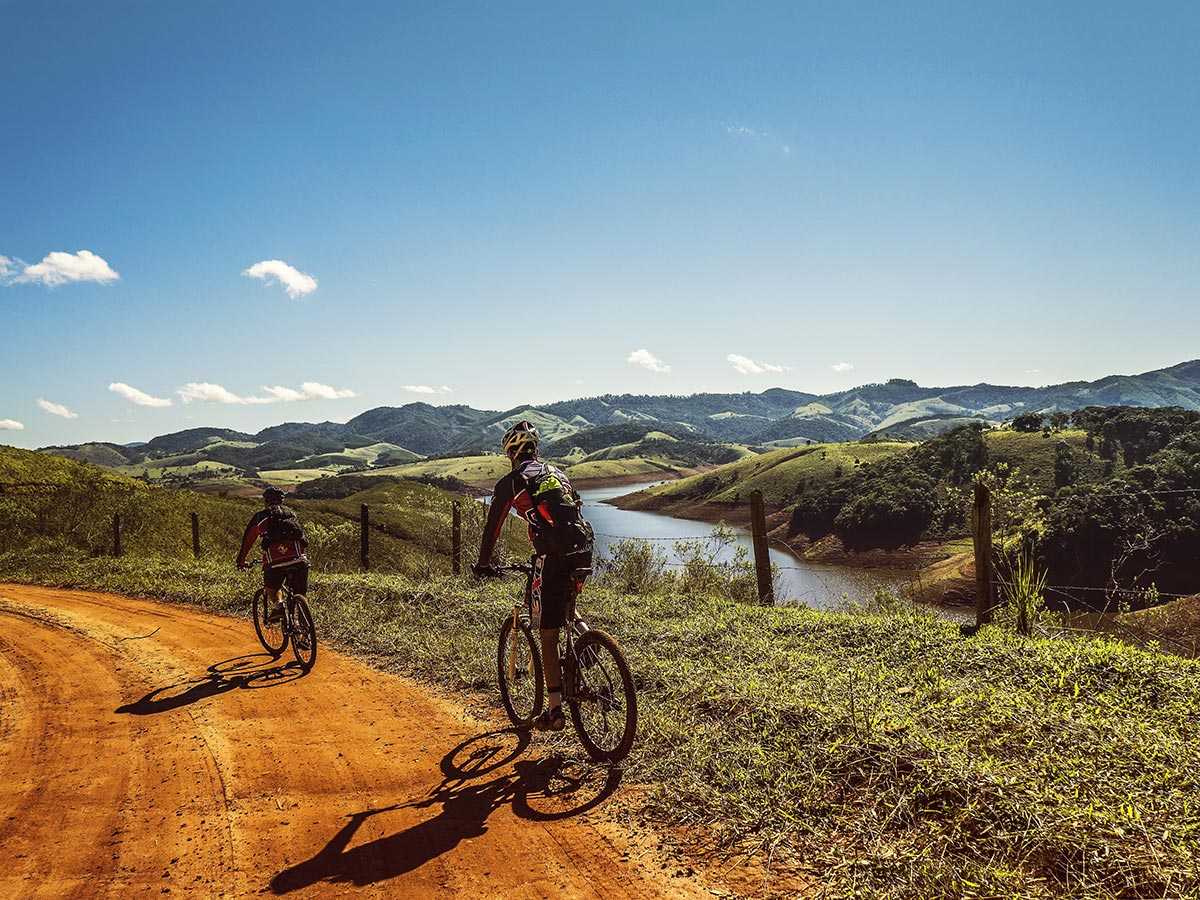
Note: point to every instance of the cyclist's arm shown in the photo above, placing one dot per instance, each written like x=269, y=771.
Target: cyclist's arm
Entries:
x=253, y=532
x=502, y=501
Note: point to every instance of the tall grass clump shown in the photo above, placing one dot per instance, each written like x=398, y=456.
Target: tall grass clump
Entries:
x=1022, y=590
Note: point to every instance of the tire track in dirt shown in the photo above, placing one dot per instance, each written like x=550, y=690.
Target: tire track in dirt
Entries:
x=184, y=760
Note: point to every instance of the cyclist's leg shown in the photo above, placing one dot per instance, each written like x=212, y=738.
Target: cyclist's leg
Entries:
x=297, y=577
x=273, y=582
x=556, y=595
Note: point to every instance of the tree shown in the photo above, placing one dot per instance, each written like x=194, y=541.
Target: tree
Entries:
x=1066, y=471
x=1060, y=420
x=1028, y=422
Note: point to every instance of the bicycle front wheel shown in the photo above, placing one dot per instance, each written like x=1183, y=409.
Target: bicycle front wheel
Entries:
x=519, y=666
x=304, y=633
x=271, y=635
x=604, y=708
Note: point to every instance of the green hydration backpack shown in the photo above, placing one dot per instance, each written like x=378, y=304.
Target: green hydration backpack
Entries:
x=555, y=511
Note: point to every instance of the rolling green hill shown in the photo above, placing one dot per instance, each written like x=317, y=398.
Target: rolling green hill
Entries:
x=896, y=409
x=51, y=503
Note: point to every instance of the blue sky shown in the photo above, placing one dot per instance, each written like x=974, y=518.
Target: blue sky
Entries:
x=510, y=201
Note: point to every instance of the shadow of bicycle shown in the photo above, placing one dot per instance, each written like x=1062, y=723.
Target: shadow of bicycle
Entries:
x=543, y=790
x=249, y=672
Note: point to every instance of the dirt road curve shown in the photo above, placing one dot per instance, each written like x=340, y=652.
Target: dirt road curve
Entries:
x=151, y=749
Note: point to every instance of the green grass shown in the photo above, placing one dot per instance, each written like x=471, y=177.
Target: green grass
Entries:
x=623, y=468
x=480, y=471
x=776, y=473
x=886, y=755
x=1032, y=453
x=74, y=507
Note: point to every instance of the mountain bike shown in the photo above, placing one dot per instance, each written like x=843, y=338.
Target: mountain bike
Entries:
x=294, y=625
x=597, y=685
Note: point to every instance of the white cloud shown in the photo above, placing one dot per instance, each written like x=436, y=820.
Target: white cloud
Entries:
x=11, y=425
x=843, y=367
x=60, y=267
x=747, y=366
x=56, y=409
x=310, y=390
x=133, y=395
x=647, y=360
x=206, y=392
x=283, y=394
x=296, y=283
x=426, y=389
x=314, y=390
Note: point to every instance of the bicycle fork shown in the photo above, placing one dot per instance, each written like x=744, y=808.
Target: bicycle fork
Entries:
x=512, y=655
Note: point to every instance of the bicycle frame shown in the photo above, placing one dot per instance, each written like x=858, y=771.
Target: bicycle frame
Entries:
x=569, y=661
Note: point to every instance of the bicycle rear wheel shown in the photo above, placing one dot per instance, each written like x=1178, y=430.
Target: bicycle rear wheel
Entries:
x=270, y=634
x=519, y=668
x=604, y=705
x=304, y=633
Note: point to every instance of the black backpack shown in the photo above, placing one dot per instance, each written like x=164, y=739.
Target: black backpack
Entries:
x=283, y=526
x=557, y=511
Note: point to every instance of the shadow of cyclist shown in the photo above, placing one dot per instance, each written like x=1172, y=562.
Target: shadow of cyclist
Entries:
x=464, y=806
x=245, y=672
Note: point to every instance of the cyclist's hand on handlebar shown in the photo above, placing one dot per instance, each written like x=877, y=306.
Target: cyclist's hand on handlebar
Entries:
x=485, y=570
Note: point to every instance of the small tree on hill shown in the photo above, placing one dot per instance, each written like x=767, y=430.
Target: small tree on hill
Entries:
x=1028, y=422
x=1066, y=471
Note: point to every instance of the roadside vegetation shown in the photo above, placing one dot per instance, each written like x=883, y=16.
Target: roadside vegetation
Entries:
x=874, y=751
x=877, y=752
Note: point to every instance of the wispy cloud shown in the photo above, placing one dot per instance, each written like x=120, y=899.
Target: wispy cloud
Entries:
x=747, y=366
x=843, y=367
x=427, y=389
x=140, y=398
x=11, y=425
x=296, y=283
x=207, y=392
x=647, y=360
x=58, y=268
x=758, y=136
x=57, y=409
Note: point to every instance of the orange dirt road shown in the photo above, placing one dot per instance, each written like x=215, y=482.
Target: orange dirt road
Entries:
x=153, y=749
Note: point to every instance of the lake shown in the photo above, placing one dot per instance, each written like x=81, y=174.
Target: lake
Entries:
x=812, y=584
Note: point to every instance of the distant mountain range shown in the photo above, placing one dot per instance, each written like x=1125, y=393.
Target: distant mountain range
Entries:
x=776, y=417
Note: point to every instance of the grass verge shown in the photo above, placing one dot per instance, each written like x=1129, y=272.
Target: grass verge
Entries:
x=884, y=754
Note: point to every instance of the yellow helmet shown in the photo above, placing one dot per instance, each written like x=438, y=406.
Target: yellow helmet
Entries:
x=520, y=436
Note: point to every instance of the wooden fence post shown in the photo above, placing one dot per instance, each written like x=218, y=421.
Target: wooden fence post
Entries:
x=982, y=534
x=116, y=537
x=196, y=535
x=762, y=554
x=456, y=538
x=364, y=541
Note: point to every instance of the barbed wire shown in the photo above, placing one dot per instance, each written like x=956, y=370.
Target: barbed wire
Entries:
x=1141, y=633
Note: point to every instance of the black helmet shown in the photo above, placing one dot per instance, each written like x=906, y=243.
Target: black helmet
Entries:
x=272, y=496
x=520, y=438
